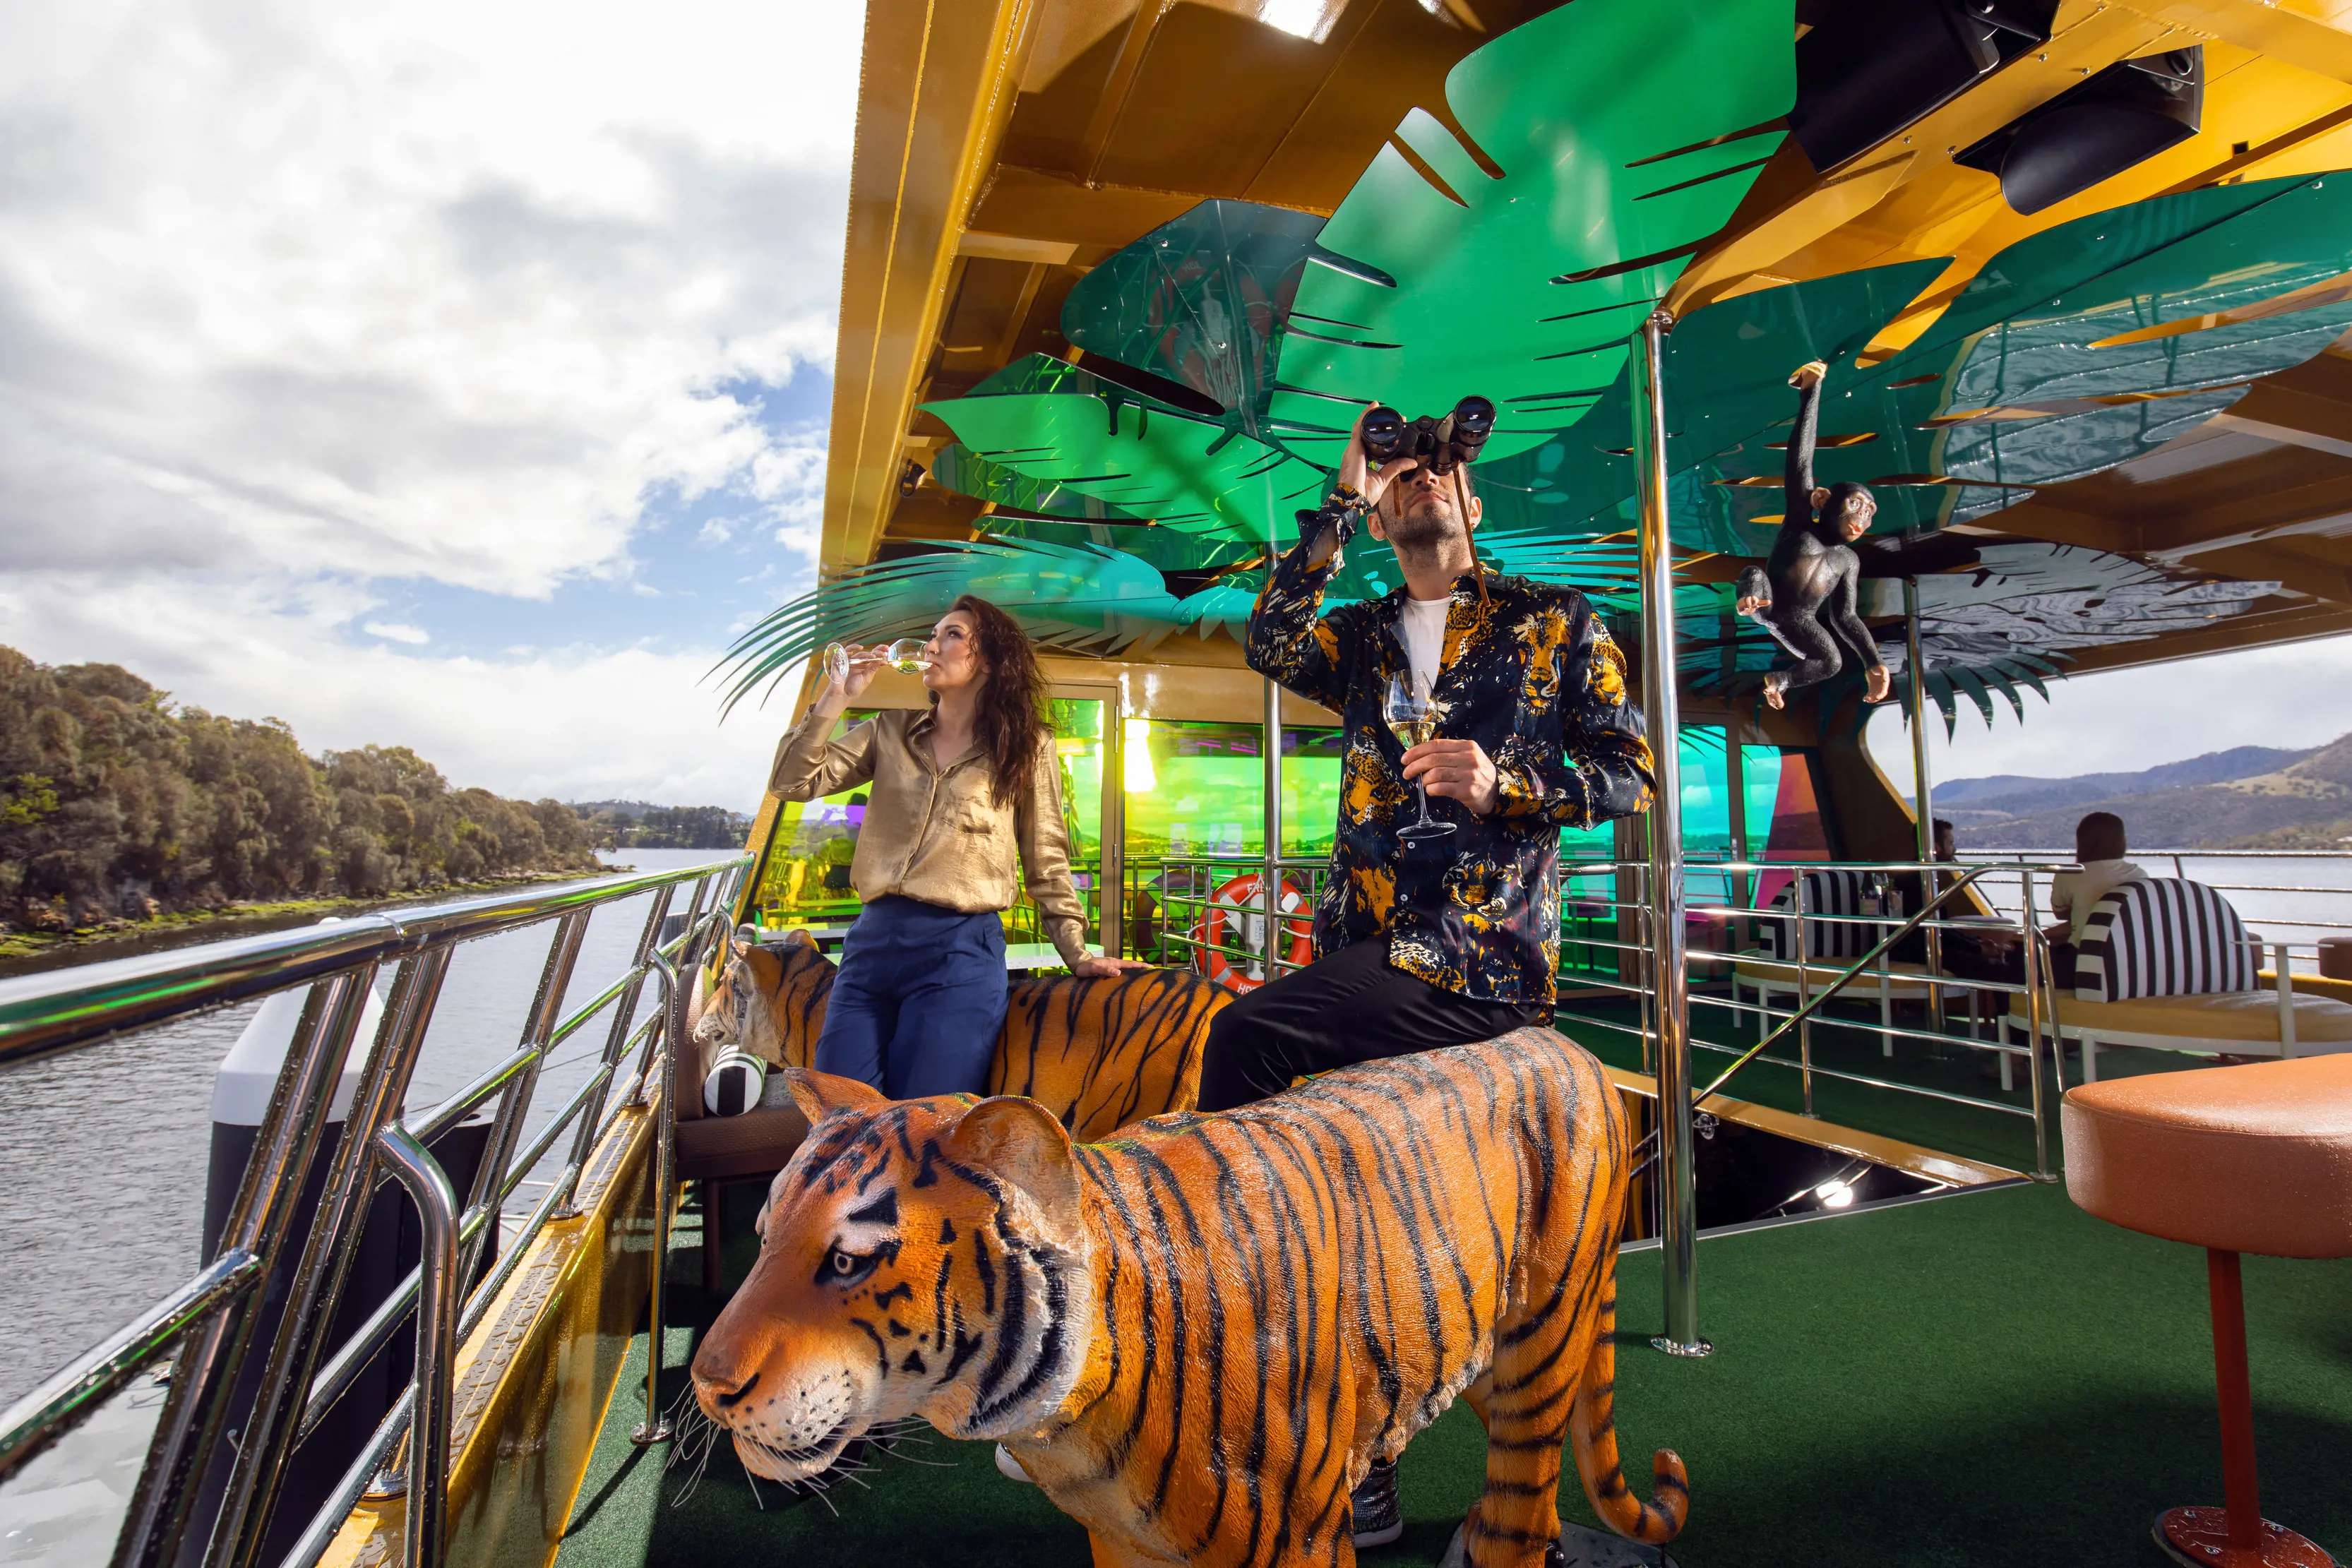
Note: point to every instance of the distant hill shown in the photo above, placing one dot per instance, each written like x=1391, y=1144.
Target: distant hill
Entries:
x=642, y=825
x=2013, y=794
x=2285, y=799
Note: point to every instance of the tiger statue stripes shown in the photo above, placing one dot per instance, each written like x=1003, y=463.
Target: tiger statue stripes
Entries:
x=1197, y=1335
x=769, y=1003
x=1097, y=1053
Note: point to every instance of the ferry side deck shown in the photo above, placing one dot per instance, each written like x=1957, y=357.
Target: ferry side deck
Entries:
x=1988, y=1375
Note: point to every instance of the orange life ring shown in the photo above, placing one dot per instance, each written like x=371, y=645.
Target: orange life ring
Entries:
x=1239, y=901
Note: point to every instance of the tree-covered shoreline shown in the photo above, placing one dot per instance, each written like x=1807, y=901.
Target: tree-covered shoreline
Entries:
x=118, y=806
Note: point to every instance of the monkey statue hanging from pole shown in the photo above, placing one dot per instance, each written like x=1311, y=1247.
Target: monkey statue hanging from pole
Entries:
x=1805, y=592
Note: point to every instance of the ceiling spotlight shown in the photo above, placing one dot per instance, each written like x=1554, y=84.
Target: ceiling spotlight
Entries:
x=1834, y=1194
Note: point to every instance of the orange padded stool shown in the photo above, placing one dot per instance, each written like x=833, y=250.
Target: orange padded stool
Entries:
x=2233, y=1159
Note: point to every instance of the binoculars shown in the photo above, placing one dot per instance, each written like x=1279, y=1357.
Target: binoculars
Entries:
x=1441, y=443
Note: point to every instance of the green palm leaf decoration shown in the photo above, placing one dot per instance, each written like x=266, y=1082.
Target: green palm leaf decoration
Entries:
x=1727, y=382
x=2013, y=620
x=2092, y=309
x=1080, y=597
x=957, y=468
x=1164, y=548
x=1512, y=249
x=1193, y=474
x=1200, y=301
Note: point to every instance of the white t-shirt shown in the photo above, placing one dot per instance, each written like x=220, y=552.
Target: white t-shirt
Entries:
x=2073, y=893
x=1424, y=626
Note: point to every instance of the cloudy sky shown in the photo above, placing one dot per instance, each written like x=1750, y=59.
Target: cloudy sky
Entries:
x=449, y=375
x=2122, y=720
x=455, y=376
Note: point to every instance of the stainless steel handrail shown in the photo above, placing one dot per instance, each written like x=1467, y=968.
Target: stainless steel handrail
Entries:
x=1861, y=965
x=63, y=1009
x=213, y=1317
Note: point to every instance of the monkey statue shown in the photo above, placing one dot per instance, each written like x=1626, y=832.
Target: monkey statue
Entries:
x=1805, y=592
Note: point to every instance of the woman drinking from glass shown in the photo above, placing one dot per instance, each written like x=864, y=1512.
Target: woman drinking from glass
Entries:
x=957, y=790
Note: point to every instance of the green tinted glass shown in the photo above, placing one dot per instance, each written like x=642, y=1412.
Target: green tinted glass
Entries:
x=1200, y=301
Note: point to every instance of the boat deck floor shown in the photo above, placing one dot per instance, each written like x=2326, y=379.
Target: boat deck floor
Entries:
x=1846, y=1041
x=1989, y=1375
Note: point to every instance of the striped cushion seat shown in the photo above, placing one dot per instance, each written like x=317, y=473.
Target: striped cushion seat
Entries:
x=1828, y=892
x=2163, y=938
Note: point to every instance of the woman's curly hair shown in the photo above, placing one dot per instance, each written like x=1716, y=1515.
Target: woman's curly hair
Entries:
x=1010, y=723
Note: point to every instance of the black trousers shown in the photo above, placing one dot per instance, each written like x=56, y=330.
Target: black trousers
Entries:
x=1343, y=1009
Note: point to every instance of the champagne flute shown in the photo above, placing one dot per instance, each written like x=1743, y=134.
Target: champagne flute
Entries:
x=904, y=655
x=1412, y=719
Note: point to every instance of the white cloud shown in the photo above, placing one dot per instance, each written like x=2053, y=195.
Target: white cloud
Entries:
x=300, y=298
x=574, y=723
x=2124, y=720
x=393, y=631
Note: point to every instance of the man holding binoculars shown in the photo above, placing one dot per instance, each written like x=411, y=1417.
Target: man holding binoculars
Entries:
x=1503, y=698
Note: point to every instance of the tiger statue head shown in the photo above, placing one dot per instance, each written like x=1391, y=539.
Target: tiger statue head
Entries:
x=918, y=1258
x=768, y=1002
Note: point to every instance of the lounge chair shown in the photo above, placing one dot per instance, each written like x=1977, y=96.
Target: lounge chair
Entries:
x=2168, y=965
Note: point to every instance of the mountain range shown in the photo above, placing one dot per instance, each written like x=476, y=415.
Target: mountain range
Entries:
x=2248, y=797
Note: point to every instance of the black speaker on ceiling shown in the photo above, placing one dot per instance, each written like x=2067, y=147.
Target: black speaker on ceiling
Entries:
x=1866, y=68
x=2129, y=112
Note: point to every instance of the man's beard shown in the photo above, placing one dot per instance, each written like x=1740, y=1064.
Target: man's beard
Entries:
x=1418, y=529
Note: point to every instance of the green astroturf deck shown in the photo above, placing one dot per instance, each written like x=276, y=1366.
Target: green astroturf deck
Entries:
x=1985, y=1377
x=1847, y=1042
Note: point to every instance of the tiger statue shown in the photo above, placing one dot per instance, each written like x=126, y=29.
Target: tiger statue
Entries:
x=1198, y=1335
x=769, y=1003
x=1099, y=1054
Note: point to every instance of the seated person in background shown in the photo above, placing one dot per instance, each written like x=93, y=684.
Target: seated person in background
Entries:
x=1998, y=956
x=2099, y=847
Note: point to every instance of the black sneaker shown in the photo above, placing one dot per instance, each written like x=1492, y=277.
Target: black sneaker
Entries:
x=1373, y=1513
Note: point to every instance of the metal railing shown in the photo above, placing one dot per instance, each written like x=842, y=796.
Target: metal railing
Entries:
x=1173, y=903
x=1726, y=970
x=211, y=1319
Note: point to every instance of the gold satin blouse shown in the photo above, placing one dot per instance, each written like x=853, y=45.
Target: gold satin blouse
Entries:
x=937, y=834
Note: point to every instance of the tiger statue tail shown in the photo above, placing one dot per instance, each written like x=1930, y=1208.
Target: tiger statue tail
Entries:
x=1592, y=1431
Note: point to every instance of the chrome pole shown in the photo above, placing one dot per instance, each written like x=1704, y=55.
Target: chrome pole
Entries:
x=279, y=1418
x=1804, y=995
x=662, y=1068
x=1923, y=795
x=437, y=1340
x=1677, y=1202
x=625, y=1012
x=514, y=1103
x=2034, y=1013
x=1270, y=882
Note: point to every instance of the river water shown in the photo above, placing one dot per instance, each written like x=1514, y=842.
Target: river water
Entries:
x=103, y=1151
x=2296, y=899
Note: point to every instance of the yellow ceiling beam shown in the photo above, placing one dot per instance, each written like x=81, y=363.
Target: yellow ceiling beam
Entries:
x=936, y=90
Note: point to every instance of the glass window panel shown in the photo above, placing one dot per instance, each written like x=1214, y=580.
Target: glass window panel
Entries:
x=805, y=878
x=1198, y=787
x=1078, y=751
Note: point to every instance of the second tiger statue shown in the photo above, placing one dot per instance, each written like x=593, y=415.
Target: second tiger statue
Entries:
x=1197, y=1335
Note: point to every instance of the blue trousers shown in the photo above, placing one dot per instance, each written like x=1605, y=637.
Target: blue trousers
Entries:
x=919, y=1000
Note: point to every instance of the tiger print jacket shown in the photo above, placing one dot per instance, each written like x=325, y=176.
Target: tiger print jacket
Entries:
x=1536, y=680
